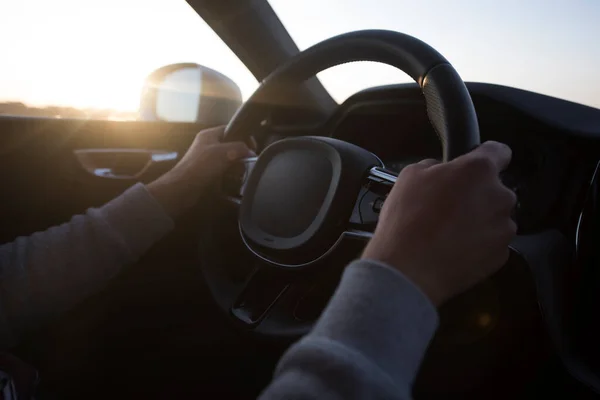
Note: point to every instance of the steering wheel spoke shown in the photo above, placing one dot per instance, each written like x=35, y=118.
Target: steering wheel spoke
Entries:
x=359, y=235
x=261, y=292
x=235, y=179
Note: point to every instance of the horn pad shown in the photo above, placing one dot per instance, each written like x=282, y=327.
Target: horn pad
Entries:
x=300, y=195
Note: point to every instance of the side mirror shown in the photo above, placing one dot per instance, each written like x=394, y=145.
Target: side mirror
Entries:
x=189, y=92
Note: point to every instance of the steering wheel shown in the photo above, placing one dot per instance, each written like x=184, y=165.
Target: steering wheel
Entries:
x=308, y=205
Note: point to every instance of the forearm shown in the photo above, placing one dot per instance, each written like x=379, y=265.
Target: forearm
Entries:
x=368, y=343
x=48, y=272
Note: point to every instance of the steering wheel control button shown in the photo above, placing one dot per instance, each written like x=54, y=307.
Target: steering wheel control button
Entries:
x=368, y=206
x=373, y=195
x=384, y=176
x=378, y=204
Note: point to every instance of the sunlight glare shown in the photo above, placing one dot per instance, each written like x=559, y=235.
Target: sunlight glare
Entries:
x=98, y=54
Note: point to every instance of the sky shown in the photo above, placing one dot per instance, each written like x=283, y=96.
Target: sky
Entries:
x=96, y=54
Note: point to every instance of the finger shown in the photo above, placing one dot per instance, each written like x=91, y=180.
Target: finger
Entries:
x=231, y=151
x=211, y=135
x=500, y=200
x=507, y=197
x=498, y=153
x=428, y=162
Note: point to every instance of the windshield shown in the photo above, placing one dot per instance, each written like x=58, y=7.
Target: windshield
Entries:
x=79, y=58
x=544, y=46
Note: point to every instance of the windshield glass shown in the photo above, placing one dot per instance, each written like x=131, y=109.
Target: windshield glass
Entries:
x=544, y=46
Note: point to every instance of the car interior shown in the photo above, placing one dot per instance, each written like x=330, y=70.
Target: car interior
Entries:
x=212, y=307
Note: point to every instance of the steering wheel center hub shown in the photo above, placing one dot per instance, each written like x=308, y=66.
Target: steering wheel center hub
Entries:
x=299, y=197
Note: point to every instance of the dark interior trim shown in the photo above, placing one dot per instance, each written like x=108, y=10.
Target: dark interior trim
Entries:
x=255, y=34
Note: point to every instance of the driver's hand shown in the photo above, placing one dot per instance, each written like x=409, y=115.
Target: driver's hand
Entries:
x=447, y=226
x=206, y=160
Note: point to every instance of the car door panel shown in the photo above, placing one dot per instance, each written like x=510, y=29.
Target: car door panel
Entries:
x=51, y=169
x=129, y=164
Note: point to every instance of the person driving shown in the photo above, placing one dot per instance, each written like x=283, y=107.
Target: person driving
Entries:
x=444, y=227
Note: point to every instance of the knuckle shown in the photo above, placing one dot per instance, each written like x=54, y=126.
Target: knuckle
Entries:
x=511, y=197
x=427, y=162
x=213, y=150
x=508, y=231
x=237, y=149
x=199, y=136
x=207, y=154
x=507, y=199
x=512, y=227
x=492, y=144
x=479, y=165
x=211, y=135
x=410, y=170
x=240, y=146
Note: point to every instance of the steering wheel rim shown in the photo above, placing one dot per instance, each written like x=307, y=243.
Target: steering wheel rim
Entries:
x=448, y=102
x=450, y=110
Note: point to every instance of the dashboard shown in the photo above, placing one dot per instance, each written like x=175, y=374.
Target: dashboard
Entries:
x=552, y=157
x=556, y=152
x=527, y=306
x=556, y=148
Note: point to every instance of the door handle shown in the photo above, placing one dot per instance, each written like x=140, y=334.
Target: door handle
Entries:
x=122, y=163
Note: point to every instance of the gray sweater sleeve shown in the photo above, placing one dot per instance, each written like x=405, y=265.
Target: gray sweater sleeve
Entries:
x=45, y=274
x=368, y=343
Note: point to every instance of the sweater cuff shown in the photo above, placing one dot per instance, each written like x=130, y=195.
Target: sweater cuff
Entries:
x=138, y=218
x=381, y=314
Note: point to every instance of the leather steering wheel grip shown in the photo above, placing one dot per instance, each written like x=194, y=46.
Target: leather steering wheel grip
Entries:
x=449, y=105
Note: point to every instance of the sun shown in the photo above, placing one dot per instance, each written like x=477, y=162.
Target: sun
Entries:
x=103, y=74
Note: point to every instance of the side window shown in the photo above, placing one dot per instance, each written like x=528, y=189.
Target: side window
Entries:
x=147, y=60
